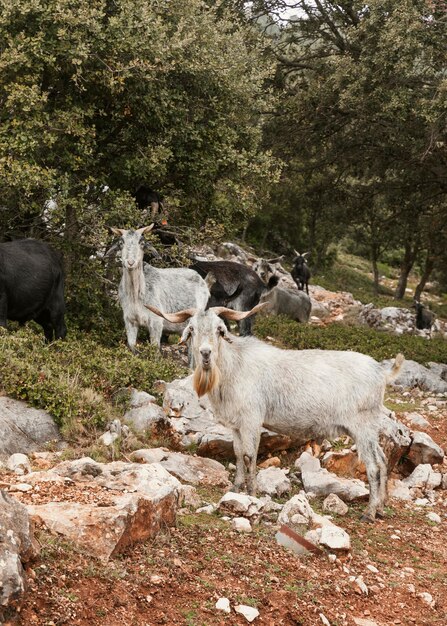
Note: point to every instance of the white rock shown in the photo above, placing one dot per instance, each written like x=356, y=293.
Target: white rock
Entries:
x=334, y=504
x=108, y=438
x=424, y=450
x=335, y=538
x=223, y=604
x=240, y=504
x=360, y=621
x=297, y=510
x=417, y=420
x=372, y=569
x=324, y=619
x=427, y=598
x=241, y=524
x=434, y=517
x=208, y=509
x=19, y=464
x=273, y=481
x=140, y=398
x=423, y=476
x=307, y=462
x=397, y=489
x=23, y=487
x=249, y=612
x=422, y=502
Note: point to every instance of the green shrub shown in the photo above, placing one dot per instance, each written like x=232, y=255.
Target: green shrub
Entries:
x=75, y=380
x=379, y=345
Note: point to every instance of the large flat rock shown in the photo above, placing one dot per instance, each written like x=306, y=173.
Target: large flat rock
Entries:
x=24, y=429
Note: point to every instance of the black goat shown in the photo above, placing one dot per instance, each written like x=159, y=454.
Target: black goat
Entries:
x=32, y=286
x=300, y=271
x=424, y=318
x=146, y=197
x=234, y=286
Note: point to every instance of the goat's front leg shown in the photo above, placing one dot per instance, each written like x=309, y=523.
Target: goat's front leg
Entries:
x=246, y=444
x=239, y=479
x=155, y=328
x=132, y=333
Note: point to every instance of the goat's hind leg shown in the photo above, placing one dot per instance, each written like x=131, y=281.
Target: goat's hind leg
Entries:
x=367, y=453
x=383, y=479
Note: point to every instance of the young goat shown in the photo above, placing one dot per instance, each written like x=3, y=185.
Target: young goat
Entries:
x=300, y=271
x=169, y=289
x=311, y=394
x=424, y=318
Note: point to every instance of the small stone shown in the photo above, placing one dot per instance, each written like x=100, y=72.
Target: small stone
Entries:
x=334, y=538
x=241, y=525
x=334, y=504
x=19, y=464
x=273, y=461
x=223, y=604
x=324, y=620
x=434, y=517
x=427, y=598
x=208, y=509
x=411, y=589
x=23, y=487
x=156, y=580
x=332, y=558
x=249, y=612
x=372, y=569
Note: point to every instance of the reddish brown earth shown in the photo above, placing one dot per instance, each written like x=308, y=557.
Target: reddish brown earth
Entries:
x=177, y=578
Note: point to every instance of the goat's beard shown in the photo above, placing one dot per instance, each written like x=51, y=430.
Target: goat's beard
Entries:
x=205, y=380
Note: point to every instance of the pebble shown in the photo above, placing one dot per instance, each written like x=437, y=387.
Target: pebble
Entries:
x=241, y=525
x=324, y=620
x=249, y=612
x=434, y=517
x=372, y=569
x=427, y=598
x=223, y=604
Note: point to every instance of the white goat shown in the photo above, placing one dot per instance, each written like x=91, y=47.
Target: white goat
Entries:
x=169, y=289
x=311, y=394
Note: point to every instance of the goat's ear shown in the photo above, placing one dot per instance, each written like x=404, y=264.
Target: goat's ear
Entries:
x=236, y=316
x=186, y=334
x=174, y=318
x=144, y=229
x=118, y=231
x=210, y=280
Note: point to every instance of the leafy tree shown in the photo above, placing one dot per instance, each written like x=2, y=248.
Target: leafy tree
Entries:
x=97, y=97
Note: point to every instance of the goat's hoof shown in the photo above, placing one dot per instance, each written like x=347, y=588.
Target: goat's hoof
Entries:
x=367, y=518
x=381, y=514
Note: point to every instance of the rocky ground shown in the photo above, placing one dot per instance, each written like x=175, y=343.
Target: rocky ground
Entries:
x=157, y=537
x=393, y=573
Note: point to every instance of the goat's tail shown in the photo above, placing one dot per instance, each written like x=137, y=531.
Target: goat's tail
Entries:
x=394, y=371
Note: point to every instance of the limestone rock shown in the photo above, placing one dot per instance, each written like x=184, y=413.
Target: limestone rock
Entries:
x=273, y=481
x=399, y=490
x=141, y=499
x=416, y=419
x=241, y=525
x=223, y=604
x=249, y=612
x=145, y=416
x=322, y=483
x=395, y=439
x=424, y=450
x=191, y=469
x=17, y=546
x=333, y=504
x=24, y=429
x=334, y=538
x=423, y=476
x=240, y=504
x=297, y=510
x=19, y=464
x=413, y=374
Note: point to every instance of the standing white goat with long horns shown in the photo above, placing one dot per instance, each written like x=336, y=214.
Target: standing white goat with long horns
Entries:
x=168, y=288
x=311, y=394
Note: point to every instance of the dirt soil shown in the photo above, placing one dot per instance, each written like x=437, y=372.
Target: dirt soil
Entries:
x=178, y=577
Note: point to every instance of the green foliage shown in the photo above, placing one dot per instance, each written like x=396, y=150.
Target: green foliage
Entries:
x=75, y=379
x=379, y=345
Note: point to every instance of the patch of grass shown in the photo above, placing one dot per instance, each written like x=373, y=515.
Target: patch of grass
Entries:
x=379, y=345
x=75, y=380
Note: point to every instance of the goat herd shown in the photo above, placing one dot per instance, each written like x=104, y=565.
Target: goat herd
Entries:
x=308, y=394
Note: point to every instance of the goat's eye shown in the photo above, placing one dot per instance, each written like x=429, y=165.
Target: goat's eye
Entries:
x=221, y=331
x=191, y=330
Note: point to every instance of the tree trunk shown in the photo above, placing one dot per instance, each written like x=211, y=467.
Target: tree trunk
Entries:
x=429, y=265
x=405, y=269
x=71, y=236
x=374, y=259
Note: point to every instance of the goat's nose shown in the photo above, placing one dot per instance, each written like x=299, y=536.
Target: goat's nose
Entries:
x=206, y=353
x=131, y=262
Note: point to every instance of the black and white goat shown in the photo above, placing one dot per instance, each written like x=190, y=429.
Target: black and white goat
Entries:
x=309, y=394
x=235, y=286
x=300, y=271
x=424, y=318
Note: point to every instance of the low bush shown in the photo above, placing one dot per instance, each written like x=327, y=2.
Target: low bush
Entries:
x=379, y=345
x=75, y=380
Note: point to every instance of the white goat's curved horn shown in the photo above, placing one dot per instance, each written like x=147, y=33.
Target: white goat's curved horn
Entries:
x=118, y=231
x=174, y=318
x=297, y=253
x=236, y=316
x=305, y=254
x=140, y=231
